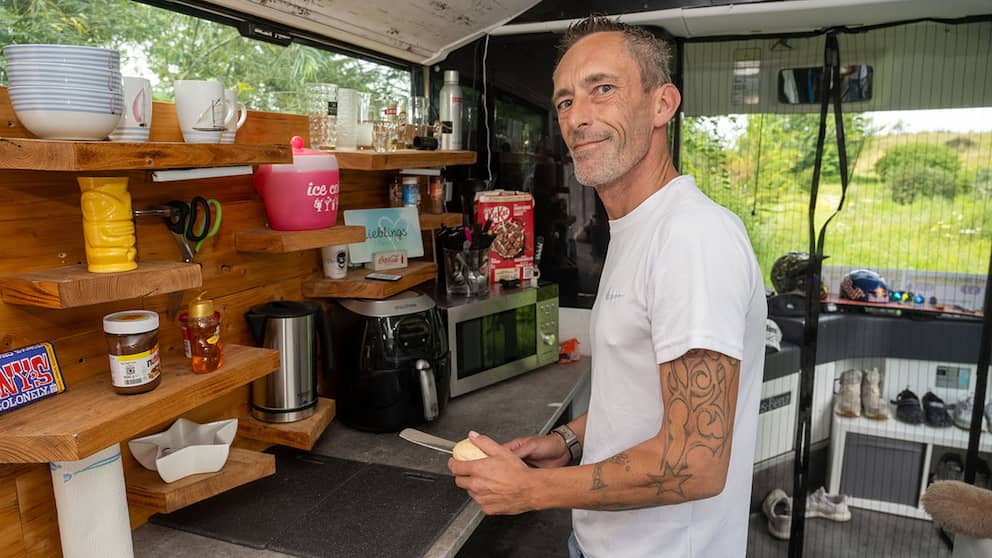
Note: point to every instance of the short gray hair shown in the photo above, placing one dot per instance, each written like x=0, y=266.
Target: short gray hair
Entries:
x=651, y=53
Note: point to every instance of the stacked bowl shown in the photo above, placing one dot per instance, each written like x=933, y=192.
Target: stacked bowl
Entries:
x=64, y=91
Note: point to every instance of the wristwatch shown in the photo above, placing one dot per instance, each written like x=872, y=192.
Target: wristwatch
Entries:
x=572, y=441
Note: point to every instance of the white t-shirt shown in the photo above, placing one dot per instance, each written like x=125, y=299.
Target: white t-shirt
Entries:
x=680, y=274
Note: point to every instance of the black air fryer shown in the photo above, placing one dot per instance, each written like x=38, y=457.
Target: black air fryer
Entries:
x=391, y=362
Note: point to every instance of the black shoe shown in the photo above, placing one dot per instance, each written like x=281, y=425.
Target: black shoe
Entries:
x=908, y=407
x=935, y=411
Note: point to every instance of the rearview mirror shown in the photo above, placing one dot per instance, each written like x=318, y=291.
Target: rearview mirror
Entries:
x=801, y=86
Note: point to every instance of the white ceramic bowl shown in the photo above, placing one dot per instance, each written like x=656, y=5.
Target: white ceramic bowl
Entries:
x=63, y=75
x=64, y=54
x=67, y=113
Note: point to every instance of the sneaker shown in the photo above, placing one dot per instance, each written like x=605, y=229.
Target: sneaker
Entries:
x=872, y=404
x=935, y=411
x=778, y=509
x=848, y=402
x=830, y=506
x=963, y=409
x=908, y=407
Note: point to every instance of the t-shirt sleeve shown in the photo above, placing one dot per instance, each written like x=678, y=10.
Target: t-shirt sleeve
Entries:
x=700, y=286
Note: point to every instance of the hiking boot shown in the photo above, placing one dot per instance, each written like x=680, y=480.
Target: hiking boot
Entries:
x=908, y=408
x=830, y=506
x=778, y=509
x=962, y=411
x=872, y=404
x=935, y=411
x=848, y=401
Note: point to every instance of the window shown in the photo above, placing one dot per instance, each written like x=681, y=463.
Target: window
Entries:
x=164, y=46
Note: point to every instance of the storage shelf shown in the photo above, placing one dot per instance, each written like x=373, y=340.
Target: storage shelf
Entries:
x=76, y=156
x=90, y=416
x=355, y=285
x=301, y=434
x=430, y=221
x=950, y=436
x=402, y=159
x=71, y=286
x=145, y=488
x=279, y=242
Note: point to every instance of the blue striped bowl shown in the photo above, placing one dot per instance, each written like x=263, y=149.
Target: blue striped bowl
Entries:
x=62, y=75
x=64, y=54
x=67, y=113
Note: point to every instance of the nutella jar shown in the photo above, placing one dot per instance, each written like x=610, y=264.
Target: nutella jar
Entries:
x=132, y=341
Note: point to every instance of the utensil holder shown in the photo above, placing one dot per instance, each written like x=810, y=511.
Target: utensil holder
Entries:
x=466, y=272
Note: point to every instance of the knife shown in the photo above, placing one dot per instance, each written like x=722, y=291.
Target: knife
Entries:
x=426, y=440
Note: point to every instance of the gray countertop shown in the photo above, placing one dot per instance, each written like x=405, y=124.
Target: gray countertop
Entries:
x=524, y=405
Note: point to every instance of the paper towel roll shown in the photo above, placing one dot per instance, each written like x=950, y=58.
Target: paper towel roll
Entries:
x=92, y=503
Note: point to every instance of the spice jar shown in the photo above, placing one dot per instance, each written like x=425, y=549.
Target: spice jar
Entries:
x=132, y=341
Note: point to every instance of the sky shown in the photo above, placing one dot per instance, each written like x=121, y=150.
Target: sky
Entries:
x=952, y=120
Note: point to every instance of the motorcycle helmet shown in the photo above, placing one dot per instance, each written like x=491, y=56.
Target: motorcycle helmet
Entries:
x=789, y=272
x=864, y=285
x=773, y=336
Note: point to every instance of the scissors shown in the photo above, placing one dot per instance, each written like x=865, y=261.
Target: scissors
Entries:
x=193, y=222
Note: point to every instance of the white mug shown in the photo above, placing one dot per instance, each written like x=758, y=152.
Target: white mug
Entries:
x=136, y=122
x=335, y=259
x=202, y=110
x=231, y=98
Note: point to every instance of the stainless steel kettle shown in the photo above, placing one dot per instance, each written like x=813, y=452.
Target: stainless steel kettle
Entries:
x=293, y=328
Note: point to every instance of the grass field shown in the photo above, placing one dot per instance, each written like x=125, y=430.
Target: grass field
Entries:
x=932, y=233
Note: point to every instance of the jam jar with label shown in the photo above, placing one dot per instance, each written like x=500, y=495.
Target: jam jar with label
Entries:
x=132, y=341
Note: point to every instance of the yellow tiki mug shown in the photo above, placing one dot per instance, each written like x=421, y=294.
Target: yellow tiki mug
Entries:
x=108, y=225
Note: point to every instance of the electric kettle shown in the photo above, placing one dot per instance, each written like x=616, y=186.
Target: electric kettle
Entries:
x=293, y=328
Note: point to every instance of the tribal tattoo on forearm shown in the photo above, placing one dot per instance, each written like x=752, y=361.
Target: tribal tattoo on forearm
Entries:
x=699, y=415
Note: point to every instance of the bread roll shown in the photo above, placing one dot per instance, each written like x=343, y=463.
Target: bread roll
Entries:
x=467, y=451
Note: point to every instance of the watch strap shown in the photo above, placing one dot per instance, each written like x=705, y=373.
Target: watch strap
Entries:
x=572, y=442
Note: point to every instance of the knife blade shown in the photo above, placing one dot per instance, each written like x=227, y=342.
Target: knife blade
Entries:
x=428, y=441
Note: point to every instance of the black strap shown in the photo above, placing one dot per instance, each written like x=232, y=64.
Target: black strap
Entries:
x=830, y=91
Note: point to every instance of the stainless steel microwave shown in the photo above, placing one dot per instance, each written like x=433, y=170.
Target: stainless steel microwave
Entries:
x=500, y=336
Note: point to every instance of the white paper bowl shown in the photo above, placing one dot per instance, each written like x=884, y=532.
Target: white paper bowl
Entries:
x=67, y=113
x=186, y=448
x=63, y=75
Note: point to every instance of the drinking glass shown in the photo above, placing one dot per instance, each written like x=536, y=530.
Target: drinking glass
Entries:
x=366, y=116
x=322, y=112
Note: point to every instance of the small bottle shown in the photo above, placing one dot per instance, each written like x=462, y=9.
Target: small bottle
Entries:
x=411, y=192
x=204, y=336
x=451, y=112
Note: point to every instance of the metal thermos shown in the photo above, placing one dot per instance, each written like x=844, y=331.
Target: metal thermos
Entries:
x=293, y=328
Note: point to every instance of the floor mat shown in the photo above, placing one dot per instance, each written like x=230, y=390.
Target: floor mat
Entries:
x=324, y=506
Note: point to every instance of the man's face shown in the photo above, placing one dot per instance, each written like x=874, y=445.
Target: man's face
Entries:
x=606, y=117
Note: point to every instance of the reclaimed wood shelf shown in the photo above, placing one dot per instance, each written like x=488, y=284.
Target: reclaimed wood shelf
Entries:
x=77, y=156
x=301, y=434
x=430, y=221
x=355, y=285
x=89, y=416
x=279, y=242
x=402, y=159
x=145, y=488
x=71, y=286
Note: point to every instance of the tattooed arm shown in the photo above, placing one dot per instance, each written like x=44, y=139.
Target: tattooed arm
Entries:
x=688, y=458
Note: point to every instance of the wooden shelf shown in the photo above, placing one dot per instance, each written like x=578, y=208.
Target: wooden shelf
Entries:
x=430, y=221
x=145, y=488
x=402, y=159
x=355, y=285
x=279, y=242
x=90, y=416
x=76, y=156
x=301, y=434
x=71, y=286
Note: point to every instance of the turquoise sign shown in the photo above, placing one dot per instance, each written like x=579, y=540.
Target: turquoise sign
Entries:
x=386, y=229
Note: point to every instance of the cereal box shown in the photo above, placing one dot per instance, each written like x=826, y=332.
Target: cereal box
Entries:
x=511, y=255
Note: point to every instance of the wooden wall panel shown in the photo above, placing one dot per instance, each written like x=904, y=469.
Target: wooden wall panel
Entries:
x=39, y=518
x=10, y=520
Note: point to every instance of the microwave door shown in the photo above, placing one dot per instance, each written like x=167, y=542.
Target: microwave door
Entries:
x=493, y=347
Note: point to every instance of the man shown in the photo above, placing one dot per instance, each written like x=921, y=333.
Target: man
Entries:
x=677, y=334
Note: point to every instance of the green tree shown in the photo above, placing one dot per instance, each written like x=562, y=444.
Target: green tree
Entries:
x=920, y=169
x=174, y=46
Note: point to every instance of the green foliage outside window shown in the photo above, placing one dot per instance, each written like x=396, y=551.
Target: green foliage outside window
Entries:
x=168, y=46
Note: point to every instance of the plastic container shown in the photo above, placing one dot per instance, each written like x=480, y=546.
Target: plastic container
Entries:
x=132, y=344
x=205, y=345
x=301, y=196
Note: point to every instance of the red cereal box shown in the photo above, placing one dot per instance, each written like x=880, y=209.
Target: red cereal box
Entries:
x=511, y=255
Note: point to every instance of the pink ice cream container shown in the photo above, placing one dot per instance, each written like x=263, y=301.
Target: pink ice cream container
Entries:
x=301, y=196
